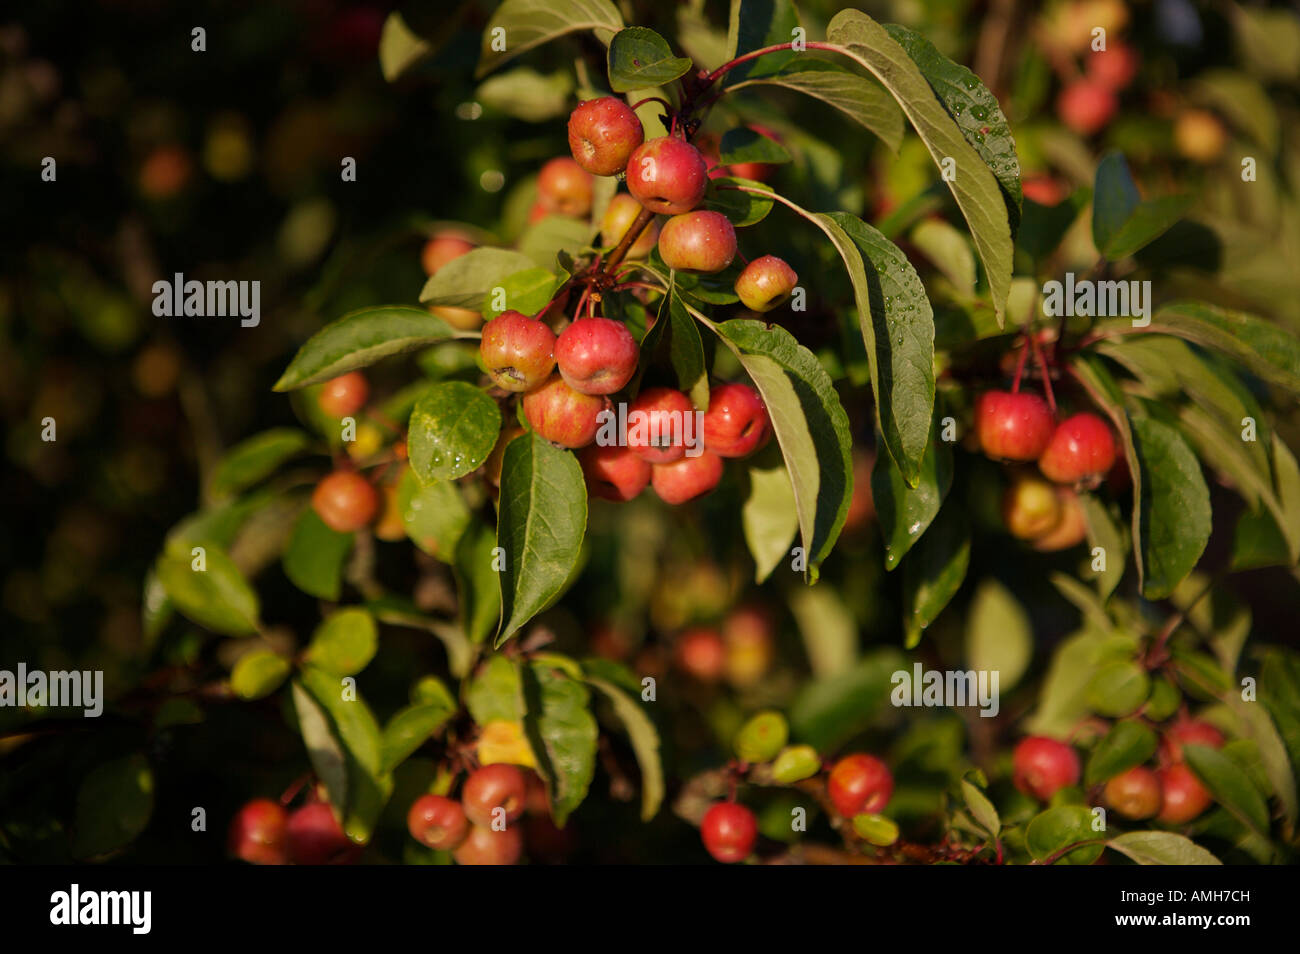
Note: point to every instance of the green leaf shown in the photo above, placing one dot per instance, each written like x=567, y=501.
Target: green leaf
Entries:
x=466, y=281
x=544, y=241
x=934, y=571
x=829, y=631
x=863, y=100
x=644, y=737
x=258, y=674
x=1175, y=523
x=477, y=583
x=323, y=747
x=527, y=94
x=639, y=58
x=1161, y=848
x=453, y=429
x=435, y=514
x=755, y=26
x=408, y=729
x=1118, y=689
x=1229, y=784
x=981, y=808
x=361, y=338
x=905, y=512
x=1057, y=828
x=541, y=521
x=769, y=516
x=946, y=248
x=562, y=732
x=828, y=712
x=496, y=692
x=1115, y=197
x=742, y=208
x=315, y=555
x=973, y=108
x=1148, y=222
x=114, y=804
x=400, y=47
x=345, y=643
x=1267, y=349
x=742, y=144
x=527, y=292
x=393, y=611
x=1103, y=532
x=1062, y=700
x=1126, y=745
x=218, y=597
x=249, y=461
x=520, y=25
x=686, y=352
x=999, y=637
x=810, y=425
x=975, y=188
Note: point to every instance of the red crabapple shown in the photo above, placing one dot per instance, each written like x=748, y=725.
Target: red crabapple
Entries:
x=518, y=351
x=1135, y=793
x=315, y=837
x=613, y=472
x=729, y=831
x=565, y=187
x=492, y=787
x=257, y=832
x=858, y=784
x=701, y=241
x=766, y=283
x=345, y=501
x=656, y=424
x=1012, y=426
x=562, y=415
x=596, y=355
x=1042, y=766
x=1183, y=795
x=1086, y=106
x=1031, y=508
x=602, y=135
x=437, y=822
x=701, y=653
x=483, y=846
x=1081, y=450
x=343, y=396
x=736, y=423
x=686, y=478
x=667, y=175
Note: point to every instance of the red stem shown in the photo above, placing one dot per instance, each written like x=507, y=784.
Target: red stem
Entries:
x=725, y=67
x=1042, y=366
x=1020, y=369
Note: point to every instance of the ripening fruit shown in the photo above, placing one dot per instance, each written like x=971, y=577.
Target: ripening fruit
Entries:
x=1041, y=766
x=437, y=822
x=343, y=396
x=602, y=135
x=729, y=831
x=518, y=351
x=766, y=283
x=1012, y=426
x=1081, y=450
x=701, y=241
x=492, y=787
x=314, y=837
x=564, y=187
x=1070, y=529
x=165, y=172
x=613, y=472
x=1183, y=730
x=483, y=846
x=345, y=501
x=701, y=653
x=762, y=737
x=736, y=423
x=1045, y=190
x=562, y=415
x=796, y=763
x=1199, y=135
x=1031, y=508
x=257, y=833
x=749, y=635
x=758, y=171
x=859, y=783
x=1086, y=106
x=667, y=175
x=618, y=218
x=1184, y=797
x=596, y=355
x=687, y=477
x=656, y=424
x=1114, y=67
x=1134, y=794
x=443, y=248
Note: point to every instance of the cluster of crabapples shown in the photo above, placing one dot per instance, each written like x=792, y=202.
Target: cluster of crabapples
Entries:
x=858, y=787
x=263, y=832
x=1077, y=452
x=1170, y=792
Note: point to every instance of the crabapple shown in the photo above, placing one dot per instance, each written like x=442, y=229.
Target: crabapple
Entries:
x=729, y=831
x=483, y=846
x=765, y=283
x=736, y=423
x=701, y=241
x=165, y=172
x=667, y=175
x=257, y=832
x=1081, y=450
x=748, y=635
x=618, y=218
x=758, y=171
x=492, y=787
x=1135, y=793
x=596, y=355
x=1195, y=731
x=462, y=319
x=1045, y=190
x=1183, y=795
x=656, y=424
x=1070, y=529
x=613, y=472
x=1199, y=135
x=437, y=822
x=518, y=351
x=343, y=396
x=858, y=784
x=390, y=526
x=1030, y=508
x=762, y=737
x=686, y=478
x=1041, y=766
x=565, y=187
x=1012, y=425
x=602, y=134
x=1113, y=67
x=1086, y=106
x=701, y=653
x=345, y=501
x=443, y=248
x=314, y=837
x=562, y=415
x=862, y=505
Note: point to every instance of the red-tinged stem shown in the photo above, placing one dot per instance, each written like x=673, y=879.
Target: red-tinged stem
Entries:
x=582, y=300
x=1056, y=856
x=653, y=99
x=726, y=67
x=1042, y=366
x=1020, y=369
